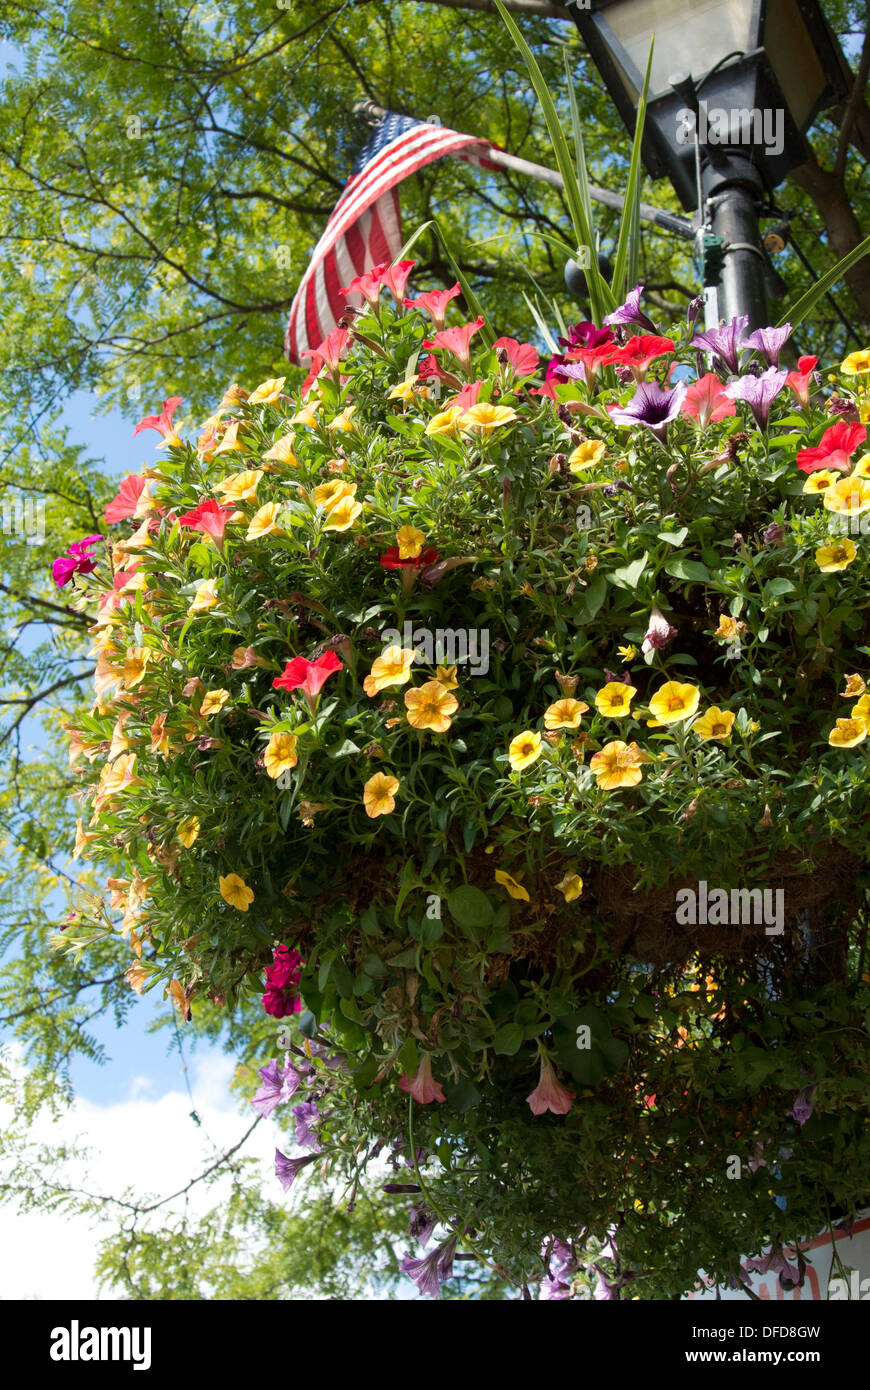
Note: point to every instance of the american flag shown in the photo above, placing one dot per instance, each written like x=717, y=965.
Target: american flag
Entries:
x=365, y=227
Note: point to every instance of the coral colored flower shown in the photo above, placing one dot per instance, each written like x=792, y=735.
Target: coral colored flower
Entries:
x=857, y=363
x=522, y=358
x=379, y=794
x=235, y=891
x=308, y=676
x=430, y=706
x=835, y=555
x=483, y=418
x=456, y=341
x=392, y=558
x=846, y=733
x=368, y=286
x=264, y=522
x=209, y=517
x=465, y=398
x=769, y=342
x=410, y=542
x=282, y=450
x=548, y=1094
x=188, y=831
x=116, y=777
x=268, y=392
x=726, y=342
x=834, y=450
x=446, y=421
x=280, y=755
x=614, y=699
x=855, y=686
x=395, y=277
x=524, y=750
x=434, y=303
x=237, y=487
x=516, y=890
x=715, y=723
x=707, y=401
x=162, y=423
x=343, y=515
x=564, y=714
x=328, y=495
x=331, y=350
x=127, y=499
x=213, y=702
x=76, y=560
x=392, y=667
x=799, y=381
x=675, y=700
x=571, y=886
x=587, y=453
x=618, y=765
x=820, y=481
x=422, y=1086
x=205, y=597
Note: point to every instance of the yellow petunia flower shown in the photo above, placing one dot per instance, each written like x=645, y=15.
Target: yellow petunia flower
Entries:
x=715, y=723
x=862, y=467
x=392, y=667
x=403, y=392
x=343, y=421
x=835, y=555
x=264, y=522
x=846, y=733
x=282, y=450
x=564, y=714
x=234, y=395
x=213, y=702
x=307, y=416
x=586, y=455
x=280, y=755
x=379, y=794
x=328, y=495
x=231, y=444
x=483, y=418
x=267, y=392
x=855, y=686
x=857, y=363
x=447, y=677
x=135, y=665
x=445, y=422
x=627, y=653
x=188, y=831
x=235, y=891
x=524, y=750
x=240, y=486
x=430, y=706
x=618, y=765
x=572, y=886
x=861, y=710
x=410, y=542
x=820, y=481
x=206, y=596
x=614, y=699
x=675, y=701
x=848, y=496
x=515, y=889
x=343, y=515
x=727, y=628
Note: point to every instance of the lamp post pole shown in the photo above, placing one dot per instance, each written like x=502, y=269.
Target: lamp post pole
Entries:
x=732, y=194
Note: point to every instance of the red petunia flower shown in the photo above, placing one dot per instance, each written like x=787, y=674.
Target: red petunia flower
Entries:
x=434, y=303
x=209, y=517
x=162, y=423
x=639, y=352
x=331, y=350
x=522, y=357
x=308, y=676
x=834, y=450
x=799, y=381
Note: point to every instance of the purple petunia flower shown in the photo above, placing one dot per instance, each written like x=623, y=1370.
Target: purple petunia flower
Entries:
x=421, y=1223
x=803, y=1105
x=77, y=559
x=631, y=312
x=307, y=1115
x=769, y=341
x=278, y=1086
x=288, y=1169
x=693, y=310
x=432, y=1270
x=652, y=406
x=758, y=392
x=727, y=341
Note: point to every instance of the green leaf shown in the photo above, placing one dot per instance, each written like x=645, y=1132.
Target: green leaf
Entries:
x=470, y=908
x=681, y=568
x=625, y=262
x=673, y=537
x=508, y=1039
x=462, y=1096
x=627, y=576
x=369, y=923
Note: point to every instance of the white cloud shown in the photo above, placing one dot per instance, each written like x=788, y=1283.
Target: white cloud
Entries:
x=145, y=1142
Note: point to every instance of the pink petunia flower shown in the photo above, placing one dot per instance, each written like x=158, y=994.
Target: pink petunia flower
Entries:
x=331, y=350
x=127, y=499
x=422, y=1086
x=395, y=277
x=799, y=381
x=209, y=517
x=76, y=560
x=434, y=303
x=162, y=423
x=466, y=398
x=707, y=402
x=522, y=358
x=456, y=341
x=548, y=1094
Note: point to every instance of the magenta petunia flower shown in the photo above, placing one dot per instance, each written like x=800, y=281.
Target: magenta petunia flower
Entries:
x=282, y=983
x=76, y=560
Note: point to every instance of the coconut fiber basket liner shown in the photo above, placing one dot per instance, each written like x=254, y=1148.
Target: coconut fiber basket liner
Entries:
x=821, y=897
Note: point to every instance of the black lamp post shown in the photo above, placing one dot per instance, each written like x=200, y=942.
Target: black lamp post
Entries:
x=733, y=87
